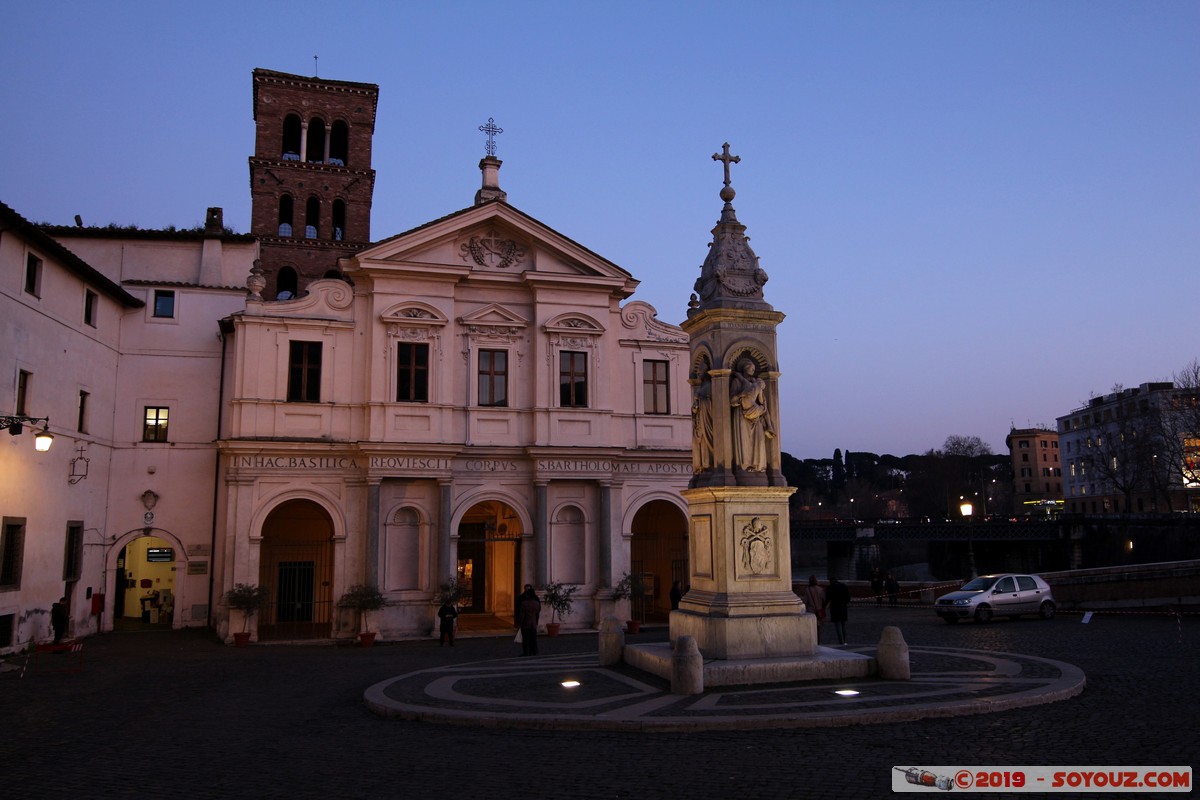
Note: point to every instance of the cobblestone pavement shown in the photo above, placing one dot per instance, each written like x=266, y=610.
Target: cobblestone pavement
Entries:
x=531, y=693
x=178, y=713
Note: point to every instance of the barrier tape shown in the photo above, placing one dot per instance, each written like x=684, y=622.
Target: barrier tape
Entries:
x=883, y=600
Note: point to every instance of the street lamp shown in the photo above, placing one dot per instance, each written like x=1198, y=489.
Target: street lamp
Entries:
x=16, y=426
x=968, y=511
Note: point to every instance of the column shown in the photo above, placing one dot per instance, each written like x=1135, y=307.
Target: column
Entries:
x=442, y=559
x=372, y=565
x=303, y=142
x=541, y=534
x=722, y=429
x=604, y=535
x=774, y=457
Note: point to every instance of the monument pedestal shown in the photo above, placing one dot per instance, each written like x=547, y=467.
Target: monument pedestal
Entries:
x=765, y=635
x=740, y=604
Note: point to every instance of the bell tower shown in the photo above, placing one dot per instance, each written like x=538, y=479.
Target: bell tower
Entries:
x=311, y=181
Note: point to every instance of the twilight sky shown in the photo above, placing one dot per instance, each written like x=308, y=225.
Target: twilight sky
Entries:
x=974, y=214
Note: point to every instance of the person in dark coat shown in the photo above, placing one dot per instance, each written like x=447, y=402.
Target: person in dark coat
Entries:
x=529, y=609
x=676, y=595
x=448, y=615
x=892, y=587
x=877, y=585
x=837, y=600
x=59, y=617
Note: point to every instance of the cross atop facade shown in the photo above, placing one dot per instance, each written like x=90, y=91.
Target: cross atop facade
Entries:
x=491, y=130
x=728, y=159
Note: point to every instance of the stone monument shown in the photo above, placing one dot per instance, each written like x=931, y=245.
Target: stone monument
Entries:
x=740, y=604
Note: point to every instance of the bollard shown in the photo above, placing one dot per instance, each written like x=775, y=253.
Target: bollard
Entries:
x=892, y=655
x=687, y=667
x=612, y=642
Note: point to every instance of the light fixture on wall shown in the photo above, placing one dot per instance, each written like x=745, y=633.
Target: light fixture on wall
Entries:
x=16, y=426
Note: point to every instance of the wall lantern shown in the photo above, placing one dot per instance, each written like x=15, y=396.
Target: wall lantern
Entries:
x=16, y=426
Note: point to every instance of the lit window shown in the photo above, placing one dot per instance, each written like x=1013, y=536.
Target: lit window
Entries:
x=154, y=427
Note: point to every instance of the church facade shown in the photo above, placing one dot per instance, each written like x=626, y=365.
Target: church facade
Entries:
x=478, y=403
x=474, y=402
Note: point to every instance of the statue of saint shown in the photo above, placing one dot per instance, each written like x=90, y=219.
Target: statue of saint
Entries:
x=752, y=425
x=702, y=425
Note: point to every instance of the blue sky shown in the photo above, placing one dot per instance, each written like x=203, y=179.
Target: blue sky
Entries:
x=974, y=214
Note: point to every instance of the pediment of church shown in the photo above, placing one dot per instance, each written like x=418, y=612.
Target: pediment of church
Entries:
x=574, y=323
x=493, y=240
x=414, y=313
x=493, y=316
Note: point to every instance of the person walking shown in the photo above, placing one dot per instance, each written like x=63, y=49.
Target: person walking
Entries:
x=814, y=601
x=877, y=585
x=529, y=609
x=448, y=615
x=892, y=587
x=59, y=617
x=837, y=600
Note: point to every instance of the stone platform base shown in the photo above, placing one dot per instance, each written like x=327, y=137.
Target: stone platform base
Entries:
x=828, y=664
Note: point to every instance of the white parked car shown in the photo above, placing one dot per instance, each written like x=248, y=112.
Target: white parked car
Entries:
x=1009, y=594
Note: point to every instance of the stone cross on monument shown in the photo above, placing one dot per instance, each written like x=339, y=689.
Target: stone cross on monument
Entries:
x=491, y=130
x=728, y=159
x=489, y=165
x=740, y=604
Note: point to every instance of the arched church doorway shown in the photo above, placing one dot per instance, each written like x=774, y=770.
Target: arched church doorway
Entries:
x=144, y=591
x=658, y=553
x=296, y=567
x=489, y=560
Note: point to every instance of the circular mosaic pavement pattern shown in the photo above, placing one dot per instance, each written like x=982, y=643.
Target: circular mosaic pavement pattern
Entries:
x=572, y=692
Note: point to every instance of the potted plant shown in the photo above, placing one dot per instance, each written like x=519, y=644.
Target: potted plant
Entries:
x=363, y=598
x=631, y=587
x=560, y=597
x=247, y=598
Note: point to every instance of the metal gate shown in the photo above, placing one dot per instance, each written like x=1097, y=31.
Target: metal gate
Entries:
x=298, y=578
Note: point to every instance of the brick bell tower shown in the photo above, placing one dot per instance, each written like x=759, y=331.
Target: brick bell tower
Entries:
x=311, y=181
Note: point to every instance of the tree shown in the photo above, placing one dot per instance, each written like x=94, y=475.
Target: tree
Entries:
x=966, y=446
x=838, y=478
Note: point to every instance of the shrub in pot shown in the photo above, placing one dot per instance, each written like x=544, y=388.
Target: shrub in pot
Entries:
x=363, y=598
x=631, y=587
x=247, y=598
x=560, y=597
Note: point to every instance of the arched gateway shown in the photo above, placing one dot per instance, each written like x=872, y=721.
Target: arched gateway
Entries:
x=296, y=568
x=488, y=567
x=658, y=553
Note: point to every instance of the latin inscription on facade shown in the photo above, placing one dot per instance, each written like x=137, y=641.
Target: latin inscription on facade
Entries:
x=606, y=465
x=426, y=464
